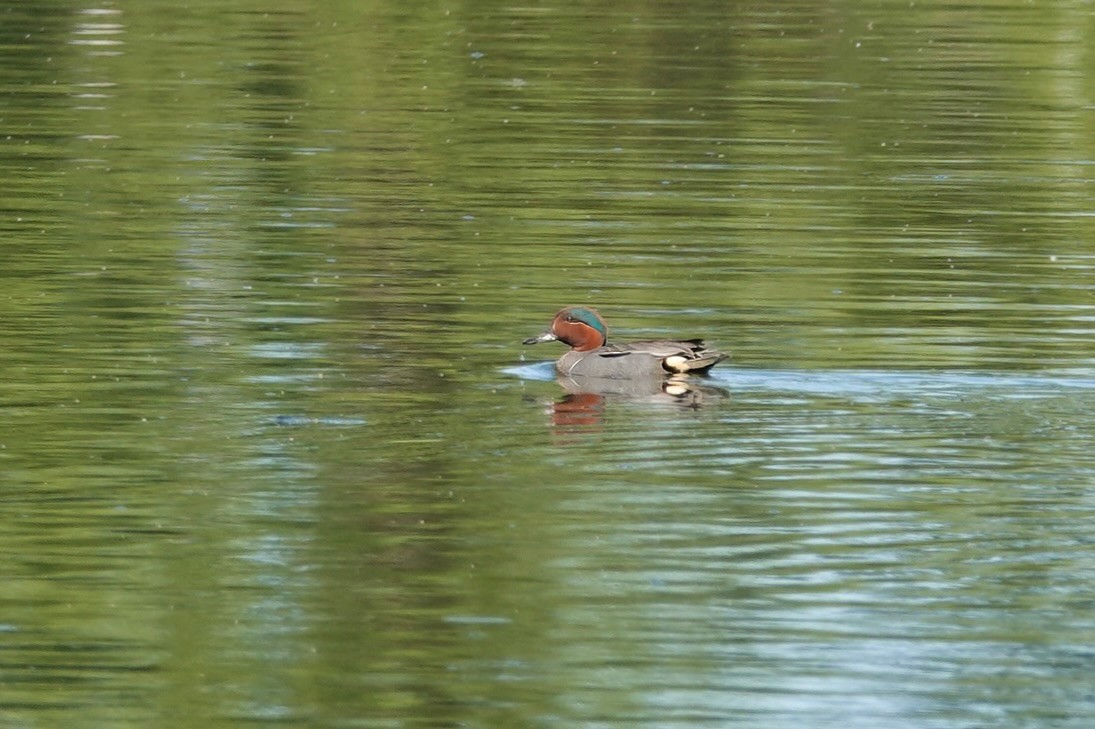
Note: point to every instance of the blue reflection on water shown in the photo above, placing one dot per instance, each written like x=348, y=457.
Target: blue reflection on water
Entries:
x=871, y=384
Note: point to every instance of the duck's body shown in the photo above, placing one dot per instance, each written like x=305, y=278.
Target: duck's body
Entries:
x=592, y=356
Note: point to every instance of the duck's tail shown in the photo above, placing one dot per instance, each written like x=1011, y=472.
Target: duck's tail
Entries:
x=700, y=361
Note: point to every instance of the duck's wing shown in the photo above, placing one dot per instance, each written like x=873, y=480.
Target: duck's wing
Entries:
x=688, y=355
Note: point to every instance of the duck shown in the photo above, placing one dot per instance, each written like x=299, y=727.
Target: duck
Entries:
x=590, y=354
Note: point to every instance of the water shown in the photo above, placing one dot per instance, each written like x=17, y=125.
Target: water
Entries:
x=273, y=453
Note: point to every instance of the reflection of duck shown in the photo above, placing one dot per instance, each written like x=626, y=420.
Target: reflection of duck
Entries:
x=590, y=354
x=587, y=398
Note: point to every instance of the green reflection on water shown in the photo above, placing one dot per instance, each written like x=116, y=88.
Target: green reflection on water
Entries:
x=265, y=267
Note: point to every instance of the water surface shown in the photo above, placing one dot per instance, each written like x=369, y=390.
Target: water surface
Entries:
x=273, y=454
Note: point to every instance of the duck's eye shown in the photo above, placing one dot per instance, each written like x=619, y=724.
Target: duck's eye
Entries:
x=571, y=319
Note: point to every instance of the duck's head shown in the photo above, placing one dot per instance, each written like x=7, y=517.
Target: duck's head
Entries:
x=579, y=326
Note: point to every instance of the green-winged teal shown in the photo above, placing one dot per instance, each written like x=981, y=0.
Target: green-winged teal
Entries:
x=591, y=356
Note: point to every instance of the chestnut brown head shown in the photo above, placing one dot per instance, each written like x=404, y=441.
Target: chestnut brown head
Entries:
x=579, y=326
